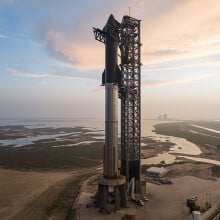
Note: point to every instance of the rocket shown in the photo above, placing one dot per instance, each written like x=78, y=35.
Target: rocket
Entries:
x=110, y=79
x=112, y=183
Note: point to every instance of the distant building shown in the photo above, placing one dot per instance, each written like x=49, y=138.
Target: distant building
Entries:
x=157, y=171
x=163, y=117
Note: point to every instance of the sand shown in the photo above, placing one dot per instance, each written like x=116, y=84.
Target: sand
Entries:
x=19, y=189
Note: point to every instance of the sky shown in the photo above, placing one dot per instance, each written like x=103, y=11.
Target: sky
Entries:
x=51, y=65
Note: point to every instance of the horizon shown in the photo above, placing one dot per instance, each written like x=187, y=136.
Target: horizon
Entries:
x=51, y=65
x=98, y=118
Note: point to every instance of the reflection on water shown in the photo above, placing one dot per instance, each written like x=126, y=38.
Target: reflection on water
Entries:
x=195, y=132
x=76, y=144
x=182, y=146
x=207, y=129
x=55, y=123
x=95, y=126
x=18, y=142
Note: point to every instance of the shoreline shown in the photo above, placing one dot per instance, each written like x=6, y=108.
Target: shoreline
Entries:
x=181, y=148
x=40, y=181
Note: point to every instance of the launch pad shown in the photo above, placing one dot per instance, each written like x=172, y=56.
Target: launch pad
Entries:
x=121, y=81
x=111, y=191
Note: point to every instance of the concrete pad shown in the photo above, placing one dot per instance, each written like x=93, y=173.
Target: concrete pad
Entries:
x=166, y=202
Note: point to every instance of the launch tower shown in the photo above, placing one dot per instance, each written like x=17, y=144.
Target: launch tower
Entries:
x=129, y=92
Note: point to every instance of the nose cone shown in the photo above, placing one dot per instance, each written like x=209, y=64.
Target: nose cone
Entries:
x=112, y=21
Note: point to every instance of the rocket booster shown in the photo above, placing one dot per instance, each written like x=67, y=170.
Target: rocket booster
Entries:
x=111, y=79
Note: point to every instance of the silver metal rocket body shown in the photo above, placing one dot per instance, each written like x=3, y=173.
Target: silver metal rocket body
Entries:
x=111, y=188
x=111, y=131
x=111, y=79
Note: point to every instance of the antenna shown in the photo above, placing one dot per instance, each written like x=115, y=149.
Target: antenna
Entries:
x=129, y=10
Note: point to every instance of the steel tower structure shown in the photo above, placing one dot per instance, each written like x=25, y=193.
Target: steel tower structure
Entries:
x=130, y=94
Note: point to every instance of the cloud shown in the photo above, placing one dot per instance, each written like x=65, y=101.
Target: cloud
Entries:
x=171, y=30
x=187, y=26
x=79, y=53
x=166, y=66
x=3, y=36
x=16, y=72
x=75, y=44
x=68, y=73
x=162, y=52
x=182, y=80
x=43, y=83
x=77, y=74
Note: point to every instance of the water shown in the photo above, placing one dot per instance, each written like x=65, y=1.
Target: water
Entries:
x=76, y=144
x=95, y=124
x=195, y=132
x=182, y=147
x=19, y=142
x=207, y=129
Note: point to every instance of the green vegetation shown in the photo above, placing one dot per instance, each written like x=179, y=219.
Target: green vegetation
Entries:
x=216, y=171
x=64, y=203
x=34, y=157
x=182, y=129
